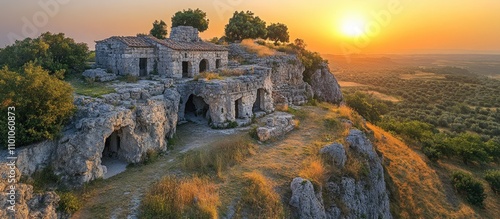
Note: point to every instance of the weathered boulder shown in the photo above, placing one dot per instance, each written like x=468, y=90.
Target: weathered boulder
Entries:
x=304, y=200
x=363, y=198
x=325, y=86
x=345, y=196
x=277, y=125
x=27, y=203
x=336, y=153
x=99, y=75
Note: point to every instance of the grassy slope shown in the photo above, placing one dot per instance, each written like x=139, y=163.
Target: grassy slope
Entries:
x=420, y=190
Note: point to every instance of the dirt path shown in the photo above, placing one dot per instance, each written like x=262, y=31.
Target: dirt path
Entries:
x=120, y=195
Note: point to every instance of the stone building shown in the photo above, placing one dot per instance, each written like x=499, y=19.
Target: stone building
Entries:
x=183, y=55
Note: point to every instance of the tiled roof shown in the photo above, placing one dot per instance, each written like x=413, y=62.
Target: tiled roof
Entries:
x=134, y=41
x=190, y=46
x=146, y=41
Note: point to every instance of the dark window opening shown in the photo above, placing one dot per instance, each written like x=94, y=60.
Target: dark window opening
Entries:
x=238, y=106
x=217, y=63
x=185, y=69
x=143, y=66
x=257, y=106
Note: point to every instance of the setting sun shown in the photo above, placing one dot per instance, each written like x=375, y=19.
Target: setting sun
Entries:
x=352, y=26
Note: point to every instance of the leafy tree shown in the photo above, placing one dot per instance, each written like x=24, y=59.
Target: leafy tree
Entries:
x=194, y=18
x=470, y=147
x=366, y=106
x=42, y=103
x=278, y=33
x=245, y=25
x=471, y=188
x=159, y=29
x=53, y=52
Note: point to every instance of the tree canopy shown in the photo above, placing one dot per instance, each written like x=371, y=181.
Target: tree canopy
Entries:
x=194, y=18
x=278, y=33
x=42, y=102
x=159, y=29
x=245, y=25
x=54, y=52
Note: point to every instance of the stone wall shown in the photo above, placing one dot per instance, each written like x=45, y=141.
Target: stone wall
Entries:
x=184, y=34
x=223, y=95
x=123, y=60
x=170, y=61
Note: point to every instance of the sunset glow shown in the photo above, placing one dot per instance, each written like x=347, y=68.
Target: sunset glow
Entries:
x=425, y=26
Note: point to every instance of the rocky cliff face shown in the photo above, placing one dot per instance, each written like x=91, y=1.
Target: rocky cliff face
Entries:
x=27, y=203
x=344, y=196
x=325, y=86
x=130, y=122
x=286, y=75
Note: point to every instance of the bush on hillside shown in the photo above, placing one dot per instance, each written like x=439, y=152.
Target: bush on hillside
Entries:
x=470, y=188
x=493, y=178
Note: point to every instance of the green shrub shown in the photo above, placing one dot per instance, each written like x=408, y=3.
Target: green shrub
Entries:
x=69, y=203
x=493, y=178
x=42, y=102
x=469, y=187
x=150, y=157
x=43, y=179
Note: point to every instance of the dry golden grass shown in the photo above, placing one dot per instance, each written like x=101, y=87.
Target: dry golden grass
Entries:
x=350, y=84
x=207, y=75
x=231, y=72
x=259, y=198
x=219, y=157
x=260, y=50
x=282, y=107
x=417, y=190
x=314, y=169
x=181, y=198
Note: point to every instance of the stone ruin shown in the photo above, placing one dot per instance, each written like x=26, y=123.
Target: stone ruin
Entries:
x=141, y=117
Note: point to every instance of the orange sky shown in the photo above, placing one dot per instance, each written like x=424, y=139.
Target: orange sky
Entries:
x=409, y=26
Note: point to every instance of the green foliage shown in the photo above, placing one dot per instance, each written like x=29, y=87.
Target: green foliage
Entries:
x=159, y=29
x=493, y=178
x=413, y=129
x=69, y=203
x=312, y=61
x=469, y=187
x=43, y=103
x=194, y=18
x=44, y=179
x=87, y=88
x=150, y=157
x=54, y=52
x=244, y=25
x=278, y=33
x=470, y=147
x=366, y=106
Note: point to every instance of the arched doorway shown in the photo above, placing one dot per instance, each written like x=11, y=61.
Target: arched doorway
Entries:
x=203, y=65
x=196, y=109
x=112, y=155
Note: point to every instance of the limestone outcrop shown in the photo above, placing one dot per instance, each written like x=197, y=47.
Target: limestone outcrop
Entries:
x=305, y=201
x=124, y=125
x=286, y=75
x=99, y=75
x=346, y=196
x=277, y=125
x=28, y=204
x=325, y=86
